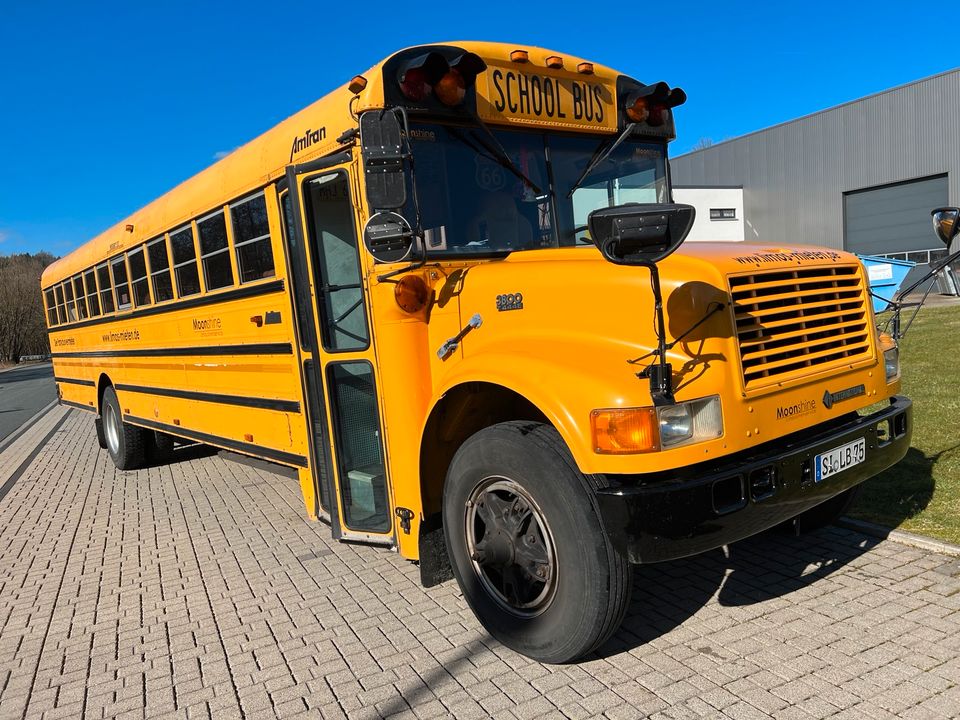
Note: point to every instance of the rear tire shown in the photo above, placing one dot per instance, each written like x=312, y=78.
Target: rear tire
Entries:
x=826, y=512
x=527, y=544
x=159, y=446
x=98, y=426
x=125, y=443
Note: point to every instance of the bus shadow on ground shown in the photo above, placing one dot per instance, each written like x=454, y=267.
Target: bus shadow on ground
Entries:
x=180, y=453
x=758, y=569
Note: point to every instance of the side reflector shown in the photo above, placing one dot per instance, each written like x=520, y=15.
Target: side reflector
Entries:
x=624, y=431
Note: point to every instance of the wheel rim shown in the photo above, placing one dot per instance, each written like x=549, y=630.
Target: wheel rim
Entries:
x=511, y=546
x=111, y=428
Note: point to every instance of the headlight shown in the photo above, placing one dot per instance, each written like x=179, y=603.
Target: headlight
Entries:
x=690, y=422
x=626, y=431
x=891, y=363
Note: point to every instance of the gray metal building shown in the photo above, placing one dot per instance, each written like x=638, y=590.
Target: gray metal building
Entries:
x=862, y=176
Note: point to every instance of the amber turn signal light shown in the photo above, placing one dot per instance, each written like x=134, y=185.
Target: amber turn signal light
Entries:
x=411, y=293
x=623, y=431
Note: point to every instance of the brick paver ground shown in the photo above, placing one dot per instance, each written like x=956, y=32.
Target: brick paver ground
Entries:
x=198, y=589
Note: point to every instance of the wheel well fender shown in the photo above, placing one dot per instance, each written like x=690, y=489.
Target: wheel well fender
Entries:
x=103, y=382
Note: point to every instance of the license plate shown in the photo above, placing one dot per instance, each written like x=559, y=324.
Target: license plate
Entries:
x=839, y=459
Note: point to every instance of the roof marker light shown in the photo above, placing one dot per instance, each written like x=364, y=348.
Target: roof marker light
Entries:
x=357, y=85
x=555, y=62
x=520, y=56
x=585, y=68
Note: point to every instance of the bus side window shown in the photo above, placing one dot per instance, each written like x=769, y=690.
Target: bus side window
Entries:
x=51, y=308
x=160, y=270
x=251, y=239
x=185, y=262
x=68, y=297
x=119, y=270
x=61, y=310
x=80, y=297
x=138, y=276
x=214, y=251
x=93, y=300
x=106, y=289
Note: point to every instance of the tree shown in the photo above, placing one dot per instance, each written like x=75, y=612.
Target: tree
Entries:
x=23, y=329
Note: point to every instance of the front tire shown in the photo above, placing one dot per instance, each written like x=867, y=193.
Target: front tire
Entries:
x=527, y=544
x=125, y=442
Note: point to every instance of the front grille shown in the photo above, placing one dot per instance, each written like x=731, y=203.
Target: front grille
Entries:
x=794, y=320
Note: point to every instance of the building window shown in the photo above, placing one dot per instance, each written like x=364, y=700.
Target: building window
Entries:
x=214, y=252
x=185, y=262
x=723, y=214
x=251, y=238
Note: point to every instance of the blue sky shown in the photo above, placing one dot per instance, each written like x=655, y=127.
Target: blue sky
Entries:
x=104, y=106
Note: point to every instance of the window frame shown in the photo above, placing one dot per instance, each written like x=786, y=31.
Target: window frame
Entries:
x=116, y=260
x=108, y=290
x=142, y=249
x=195, y=260
x=268, y=237
x=91, y=293
x=225, y=249
x=78, y=299
x=152, y=274
x=50, y=305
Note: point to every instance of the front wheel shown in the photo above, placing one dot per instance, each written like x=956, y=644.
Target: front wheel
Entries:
x=527, y=544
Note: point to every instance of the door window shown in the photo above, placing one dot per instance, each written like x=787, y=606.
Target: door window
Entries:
x=327, y=204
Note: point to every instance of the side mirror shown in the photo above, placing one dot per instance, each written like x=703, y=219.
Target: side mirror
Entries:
x=946, y=223
x=388, y=237
x=382, y=143
x=640, y=234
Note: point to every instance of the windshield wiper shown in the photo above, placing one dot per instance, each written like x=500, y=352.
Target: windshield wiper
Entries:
x=496, y=153
x=599, y=156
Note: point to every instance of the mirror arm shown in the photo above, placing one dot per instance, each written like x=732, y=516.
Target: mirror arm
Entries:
x=659, y=372
x=898, y=303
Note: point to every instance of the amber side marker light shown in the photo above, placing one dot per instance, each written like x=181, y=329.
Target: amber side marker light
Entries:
x=555, y=62
x=357, y=85
x=585, y=68
x=411, y=293
x=622, y=431
x=520, y=56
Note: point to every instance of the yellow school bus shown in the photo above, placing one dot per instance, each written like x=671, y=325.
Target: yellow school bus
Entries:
x=453, y=296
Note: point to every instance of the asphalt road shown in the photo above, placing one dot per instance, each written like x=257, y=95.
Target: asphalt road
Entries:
x=23, y=391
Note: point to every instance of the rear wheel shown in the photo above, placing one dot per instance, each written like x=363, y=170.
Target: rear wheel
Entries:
x=125, y=442
x=527, y=544
x=826, y=512
x=159, y=446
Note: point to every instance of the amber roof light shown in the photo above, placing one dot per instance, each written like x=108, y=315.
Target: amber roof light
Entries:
x=520, y=56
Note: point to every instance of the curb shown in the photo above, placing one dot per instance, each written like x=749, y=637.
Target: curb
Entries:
x=899, y=536
x=29, y=363
x=26, y=425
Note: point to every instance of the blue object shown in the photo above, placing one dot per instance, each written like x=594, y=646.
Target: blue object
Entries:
x=885, y=276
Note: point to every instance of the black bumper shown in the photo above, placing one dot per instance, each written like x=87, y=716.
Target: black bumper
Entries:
x=695, y=509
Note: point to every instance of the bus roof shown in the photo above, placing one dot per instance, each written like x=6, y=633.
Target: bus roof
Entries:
x=308, y=134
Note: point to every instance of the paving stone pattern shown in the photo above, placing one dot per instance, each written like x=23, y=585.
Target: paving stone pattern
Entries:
x=197, y=589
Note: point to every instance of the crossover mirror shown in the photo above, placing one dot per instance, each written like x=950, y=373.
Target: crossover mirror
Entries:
x=946, y=223
x=388, y=236
x=640, y=234
x=381, y=140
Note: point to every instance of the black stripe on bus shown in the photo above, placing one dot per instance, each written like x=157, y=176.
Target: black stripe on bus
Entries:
x=244, y=447
x=79, y=406
x=187, y=304
x=248, y=349
x=291, y=406
x=74, y=381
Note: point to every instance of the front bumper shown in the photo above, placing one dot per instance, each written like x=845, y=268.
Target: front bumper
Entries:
x=695, y=509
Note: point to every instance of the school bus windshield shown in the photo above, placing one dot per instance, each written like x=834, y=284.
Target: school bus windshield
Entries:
x=472, y=202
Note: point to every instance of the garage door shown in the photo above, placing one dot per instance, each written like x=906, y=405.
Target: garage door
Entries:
x=895, y=218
